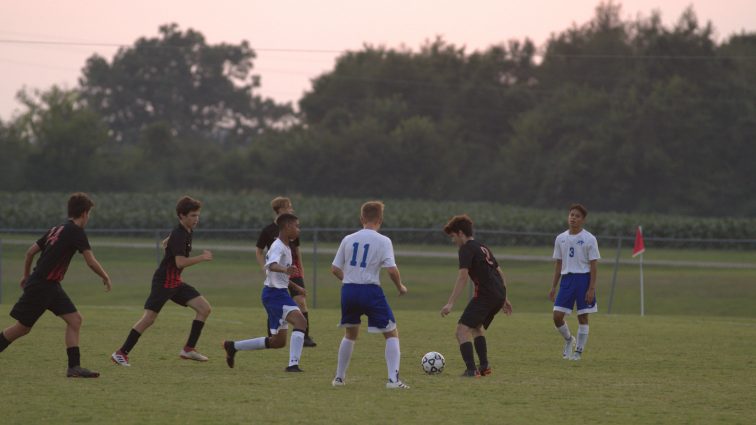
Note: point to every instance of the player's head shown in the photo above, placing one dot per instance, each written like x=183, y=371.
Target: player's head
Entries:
x=371, y=212
x=188, y=211
x=460, y=228
x=577, y=216
x=79, y=204
x=282, y=205
x=288, y=225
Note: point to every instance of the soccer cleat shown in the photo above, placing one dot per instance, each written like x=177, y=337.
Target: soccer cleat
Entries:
x=294, y=368
x=485, y=371
x=397, y=385
x=119, y=358
x=308, y=342
x=192, y=354
x=80, y=372
x=230, y=353
x=338, y=382
x=471, y=373
x=577, y=355
x=569, y=346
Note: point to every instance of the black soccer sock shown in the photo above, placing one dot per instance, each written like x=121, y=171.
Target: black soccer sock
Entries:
x=74, y=357
x=130, y=342
x=482, y=350
x=307, y=329
x=4, y=343
x=467, y=355
x=195, y=333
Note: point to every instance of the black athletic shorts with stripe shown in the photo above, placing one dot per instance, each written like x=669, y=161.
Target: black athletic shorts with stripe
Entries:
x=159, y=295
x=480, y=311
x=38, y=297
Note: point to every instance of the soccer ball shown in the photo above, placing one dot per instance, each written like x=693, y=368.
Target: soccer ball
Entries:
x=433, y=363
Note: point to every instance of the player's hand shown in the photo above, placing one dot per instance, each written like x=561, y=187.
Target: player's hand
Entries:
x=108, y=284
x=552, y=294
x=402, y=289
x=22, y=283
x=590, y=295
x=291, y=270
x=298, y=289
x=207, y=255
x=445, y=310
x=507, y=307
x=164, y=242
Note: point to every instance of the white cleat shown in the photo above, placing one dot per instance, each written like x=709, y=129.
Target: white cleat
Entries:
x=398, y=384
x=192, y=355
x=569, y=346
x=338, y=382
x=120, y=359
x=577, y=355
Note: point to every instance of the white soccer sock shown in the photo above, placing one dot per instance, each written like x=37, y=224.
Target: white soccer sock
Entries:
x=250, y=344
x=345, y=354
x=295, y=347
x=582, y=338
x=393, y=357
x=565, y=331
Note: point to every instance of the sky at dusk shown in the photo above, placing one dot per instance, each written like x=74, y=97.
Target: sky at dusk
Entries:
x=324, y=28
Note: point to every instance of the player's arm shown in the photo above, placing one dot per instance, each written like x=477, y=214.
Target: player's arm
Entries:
x=33, y=250
x=93, y=264
x=590, y=294
x=184, y=262
x=337, y=272
x=296, y=288
x=260, y=254
x=555, y=280
x=275, y=267
x=459, y=285
x=396, y=277
x=507, y=307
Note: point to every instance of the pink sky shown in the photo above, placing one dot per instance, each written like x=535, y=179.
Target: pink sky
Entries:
x=332, y=25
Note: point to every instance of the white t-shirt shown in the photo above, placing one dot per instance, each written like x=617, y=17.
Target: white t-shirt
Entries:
x=361, y=256
x=280, y=254
x=576, y=251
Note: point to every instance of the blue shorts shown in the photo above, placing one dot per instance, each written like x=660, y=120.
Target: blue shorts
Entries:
x=369, y=300
x=572, y=289
x=278, y=303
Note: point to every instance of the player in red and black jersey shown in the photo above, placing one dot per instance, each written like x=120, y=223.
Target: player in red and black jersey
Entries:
x=478, y=262
x=267, y=236
x=42, y=288
x=168, y=285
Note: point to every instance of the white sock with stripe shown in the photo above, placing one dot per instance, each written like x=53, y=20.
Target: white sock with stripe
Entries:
x=582, y=338
x=295, y=347
x=345, y=354
x=564, y=330
x=250, y=344
x=393, y=357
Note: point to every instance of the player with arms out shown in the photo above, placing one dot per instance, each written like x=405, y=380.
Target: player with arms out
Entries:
x=281, y=308
x=168, y=285
x=478, y=262
x=267, y=236
x=357, y=265
x=42, y=288
x=576, y=253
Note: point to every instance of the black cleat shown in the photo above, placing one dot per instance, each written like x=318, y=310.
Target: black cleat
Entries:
x=294, y=368
x=80, y=372
x=228, y=346
x=308, y=342
x=471, y=373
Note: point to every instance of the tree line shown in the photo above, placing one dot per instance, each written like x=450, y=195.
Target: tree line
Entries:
x=622, y=115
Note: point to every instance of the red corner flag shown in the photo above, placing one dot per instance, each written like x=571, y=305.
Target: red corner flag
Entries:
x=639, y=247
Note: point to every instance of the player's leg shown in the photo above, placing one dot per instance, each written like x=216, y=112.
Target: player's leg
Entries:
x=31, y=305
x=298, y=321
x=12, y=333
x=563, y=304
x=73, y=327
x=463, y=334
x=583, y=310
x=345, y=354
x=582, y=336
x=301, y=301
x=393, y=356
x=381, y=319
x=187, y=296
x=481, y=348
x=351, y=313
x=121, y=356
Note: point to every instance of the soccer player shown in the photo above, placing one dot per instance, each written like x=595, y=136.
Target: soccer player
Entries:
x=268, y=235
x=478, y=262
x=168, y=285
x=576, y=253
x=358, y=264
x=281, y=308
x=42, y=289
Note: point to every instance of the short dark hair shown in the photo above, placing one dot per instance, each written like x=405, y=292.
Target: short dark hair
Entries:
x=187, y=204
x=78, y=204
x=460, y=223
x=580, y=208
x=285, y=219
x=372, y=211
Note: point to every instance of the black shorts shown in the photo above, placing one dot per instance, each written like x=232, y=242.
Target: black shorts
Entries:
x=38, y=297
x=159, y=295
x=480, y=312
x=299, y=281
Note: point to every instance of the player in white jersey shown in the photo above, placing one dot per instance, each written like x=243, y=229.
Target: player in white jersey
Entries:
x=358, y=264
x=576, y=253
x=281, y=308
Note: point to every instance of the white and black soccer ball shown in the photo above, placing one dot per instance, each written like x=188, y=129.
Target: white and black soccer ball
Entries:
x=433, y=363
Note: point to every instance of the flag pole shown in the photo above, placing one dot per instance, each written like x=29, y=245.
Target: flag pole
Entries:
x=643, y=311
x=638, y=249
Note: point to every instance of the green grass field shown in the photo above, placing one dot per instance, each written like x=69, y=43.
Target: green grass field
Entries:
x=691, y=360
